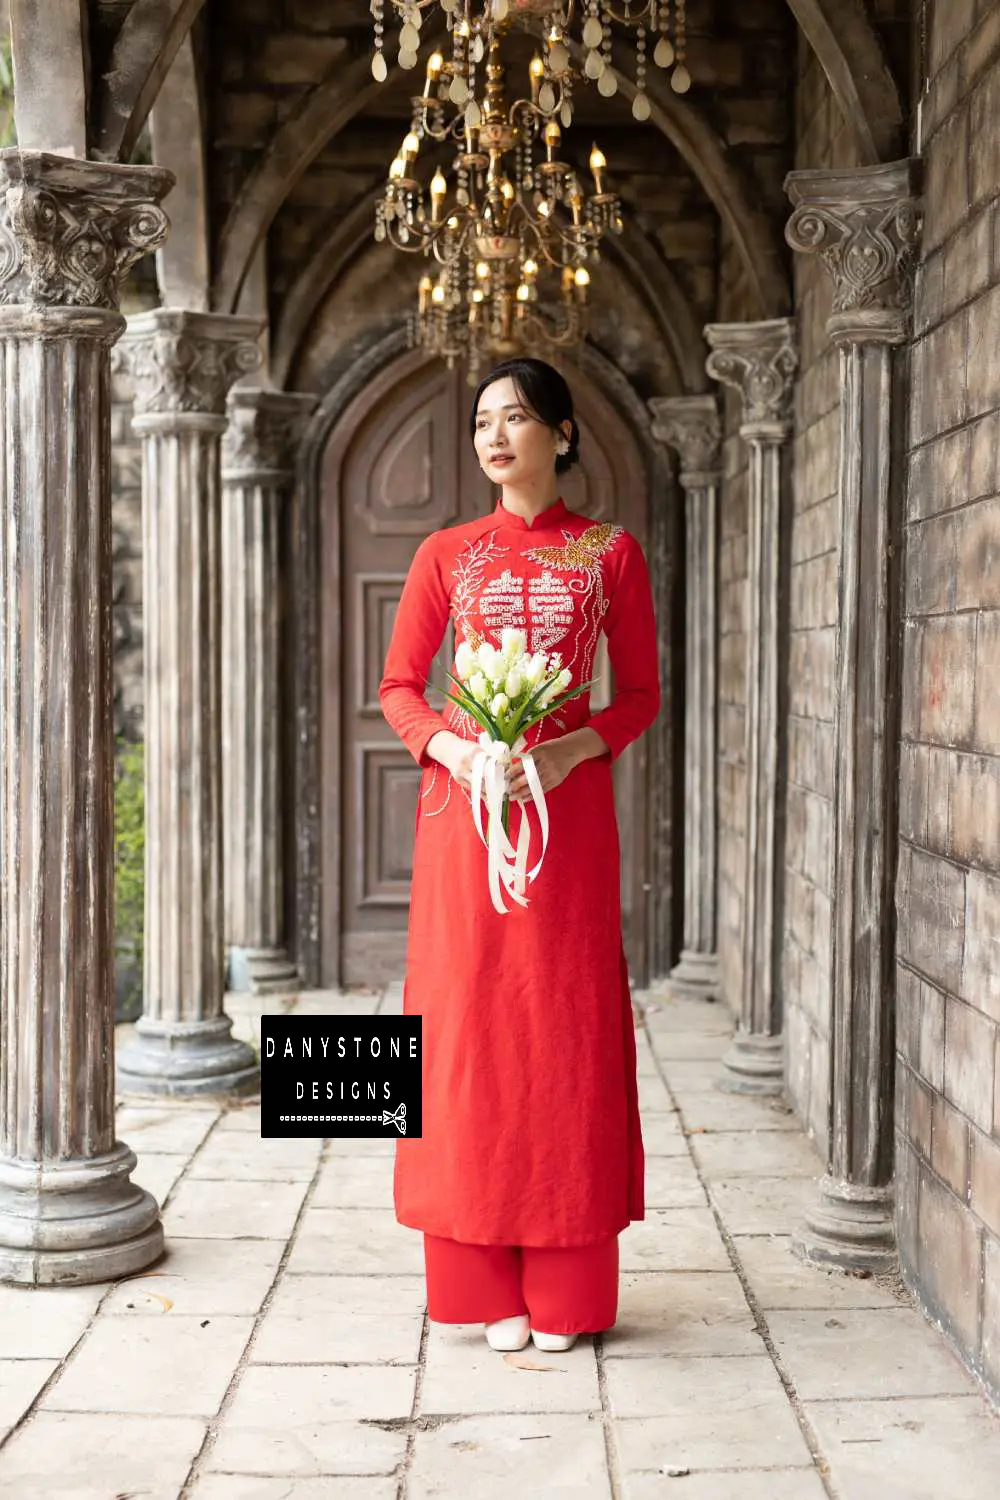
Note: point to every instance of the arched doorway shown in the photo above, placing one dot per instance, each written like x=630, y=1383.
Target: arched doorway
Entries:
x=397, y=465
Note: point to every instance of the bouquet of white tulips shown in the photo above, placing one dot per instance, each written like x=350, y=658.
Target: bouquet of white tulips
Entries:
x=506, y=691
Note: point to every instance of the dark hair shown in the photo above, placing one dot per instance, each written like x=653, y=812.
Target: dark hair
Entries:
x=546, y=395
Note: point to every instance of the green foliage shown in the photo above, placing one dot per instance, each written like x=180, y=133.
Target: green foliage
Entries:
x=130, y=849
x=8, y=135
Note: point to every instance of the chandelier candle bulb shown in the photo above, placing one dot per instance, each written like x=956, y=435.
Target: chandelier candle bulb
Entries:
x=598, y=166
x=553, y=136
x=423, y=293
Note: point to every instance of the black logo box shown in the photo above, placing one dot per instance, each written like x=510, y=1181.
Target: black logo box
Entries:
x=344, y=1076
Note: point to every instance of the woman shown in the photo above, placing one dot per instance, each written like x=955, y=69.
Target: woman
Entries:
x=531, y=1158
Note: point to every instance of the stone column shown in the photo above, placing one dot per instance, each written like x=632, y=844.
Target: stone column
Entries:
x=258, y=468
x=759, y=359
x=69, y=229
x=182, y=366
x=690, y=425
x=865, y=226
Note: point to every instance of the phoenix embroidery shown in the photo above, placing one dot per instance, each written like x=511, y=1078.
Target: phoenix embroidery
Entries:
x=580, y=553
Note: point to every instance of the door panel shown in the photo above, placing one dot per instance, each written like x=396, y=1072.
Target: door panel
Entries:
x=399, y=466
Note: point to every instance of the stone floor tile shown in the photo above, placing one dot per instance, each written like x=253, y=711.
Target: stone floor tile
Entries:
x=244, y=1003
x=943, y=1448
x=678, y=1239
x=870, y=1354
x=45, y=1322
x=758, y=1153
x=349, y=1241
x=665, y=1012
x=662, y=1136
x=249, y=1487
x=178, y=1364
x=653, y=1093
x=201, y=1278
x=333, y=1003
x=676, y=1312
x=20, y=1382
x=91, y=1456
x=343, y=1183
x=465, y=1376
x=690, y=1046
x=234, y=1210
x=672, y=1182
x=694, y=1075
x=707, y=1110
x=710, y=1413
x=158, y=1171
x=728, y=1484
x=363, y=1146
x=494, y=1458
x=279, y=1160
x=241, y=1115
x=175, y=1128
x=358, y=1296
x=763, y=1205
x=319, y=1336
x=780, y=1279
x=314, y=1419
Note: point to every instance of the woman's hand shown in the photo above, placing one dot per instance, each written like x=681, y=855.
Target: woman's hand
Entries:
x=555, y=759
x=455, y=754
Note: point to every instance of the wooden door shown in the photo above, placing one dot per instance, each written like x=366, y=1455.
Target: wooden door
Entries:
x=399, y=466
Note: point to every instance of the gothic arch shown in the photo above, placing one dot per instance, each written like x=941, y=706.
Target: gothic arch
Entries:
x=329, y=107
x=144, y=50
x=667, y=303
x=850, y=54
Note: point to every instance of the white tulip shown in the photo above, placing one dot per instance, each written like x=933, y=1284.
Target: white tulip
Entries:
x=512, y=642
x=465, y=661
x=479, y=687
x=490, y=663
x=535, y=670
x=499, y=705
x=565, y=678
x=514, y=686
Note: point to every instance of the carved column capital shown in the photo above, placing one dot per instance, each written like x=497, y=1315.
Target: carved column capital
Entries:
x=185, y=363
x=691, y=426
x=260, y=445
x=759, y=360
x=70, y=229
x=865, y=226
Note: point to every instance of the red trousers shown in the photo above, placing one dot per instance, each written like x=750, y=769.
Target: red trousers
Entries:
x=563, y=1290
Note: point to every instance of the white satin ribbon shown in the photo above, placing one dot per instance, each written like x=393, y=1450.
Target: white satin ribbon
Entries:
x=508, y=866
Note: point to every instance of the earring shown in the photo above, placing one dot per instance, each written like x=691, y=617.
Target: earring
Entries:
x=562, y=447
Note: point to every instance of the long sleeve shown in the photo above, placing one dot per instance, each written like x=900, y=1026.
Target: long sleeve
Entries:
x=630, y=627
x=417, y=633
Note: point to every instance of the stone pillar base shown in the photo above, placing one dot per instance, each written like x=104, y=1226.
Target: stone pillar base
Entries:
x=754, y=1065
x=696, y=975
x=185, y=1059
x=77, y=1221
x=262, y=971
x=851, y=1227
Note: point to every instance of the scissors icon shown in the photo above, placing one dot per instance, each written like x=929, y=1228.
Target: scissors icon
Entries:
x=398, y=1119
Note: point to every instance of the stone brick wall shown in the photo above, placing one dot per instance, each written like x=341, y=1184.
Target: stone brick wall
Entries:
x=822, y=140
x=948, y=898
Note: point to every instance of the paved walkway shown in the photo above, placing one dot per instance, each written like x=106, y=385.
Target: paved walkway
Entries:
x=280, y=1351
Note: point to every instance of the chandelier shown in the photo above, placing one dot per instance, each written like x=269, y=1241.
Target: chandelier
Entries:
x=659, y=26
x=514, y=229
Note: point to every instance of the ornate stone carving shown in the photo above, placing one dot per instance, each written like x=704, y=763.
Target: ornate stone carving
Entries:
x=262, y=438
x=760, y=360
x=865, y=226
x=69, y=230
x=690, y=424
x=187, y=361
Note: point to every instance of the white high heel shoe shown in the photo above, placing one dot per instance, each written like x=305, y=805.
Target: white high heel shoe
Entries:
x=553, y=1343
x=508, y=1334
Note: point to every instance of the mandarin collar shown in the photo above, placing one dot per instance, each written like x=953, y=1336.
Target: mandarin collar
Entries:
x=554, y=515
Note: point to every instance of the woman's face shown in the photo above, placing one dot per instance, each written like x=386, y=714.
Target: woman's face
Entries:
x=512, y=445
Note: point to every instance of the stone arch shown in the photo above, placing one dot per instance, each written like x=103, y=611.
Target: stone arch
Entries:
x=328, y=107
x=668, y=305
x=848, y=49
x=176, y=126
x=144, y=50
